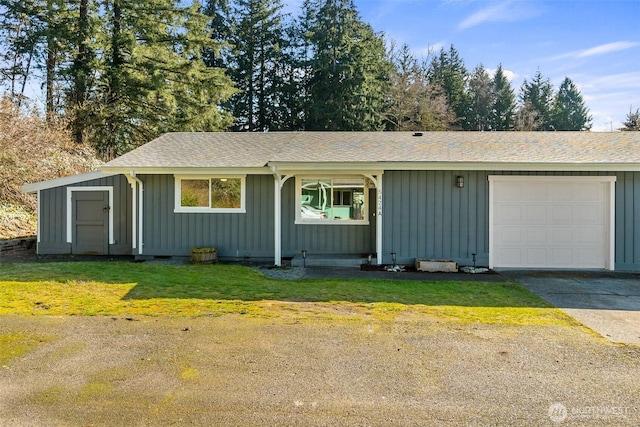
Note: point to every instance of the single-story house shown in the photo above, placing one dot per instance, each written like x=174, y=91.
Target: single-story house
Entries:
x=501, y=199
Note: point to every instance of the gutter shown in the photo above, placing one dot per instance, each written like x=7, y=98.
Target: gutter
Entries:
x=135, y=182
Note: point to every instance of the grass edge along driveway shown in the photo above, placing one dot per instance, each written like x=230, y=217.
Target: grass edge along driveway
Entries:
x=153, y=289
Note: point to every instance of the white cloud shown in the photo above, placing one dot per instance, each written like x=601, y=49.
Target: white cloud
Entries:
x=602, y=49
x=510, y=75
x=504, y=11
x=607, y=48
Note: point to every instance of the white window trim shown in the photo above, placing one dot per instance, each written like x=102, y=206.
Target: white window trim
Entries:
x=313, y=221
x=70, y=191
x=201, y=209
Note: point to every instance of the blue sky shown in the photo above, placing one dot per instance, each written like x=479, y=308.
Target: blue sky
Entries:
x=594, y=43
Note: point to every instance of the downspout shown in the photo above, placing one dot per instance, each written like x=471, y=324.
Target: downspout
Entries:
x=277, y=217
x=39, y=223
x=136, y=202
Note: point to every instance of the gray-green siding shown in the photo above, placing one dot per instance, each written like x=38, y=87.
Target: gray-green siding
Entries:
x=424, y=216
x=235, y=235
x=53, y=216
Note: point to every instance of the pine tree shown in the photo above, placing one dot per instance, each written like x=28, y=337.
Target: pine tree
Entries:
x=153, y=78
x=349, y=70
x=536, y=97
x=632, y=122
x=504, y=104
x=256, y=63
x=219, y=29
x=447, y=71
x=569, y=111
x=481, y=97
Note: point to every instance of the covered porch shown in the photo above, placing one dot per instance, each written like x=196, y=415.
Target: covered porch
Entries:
x=332, y=216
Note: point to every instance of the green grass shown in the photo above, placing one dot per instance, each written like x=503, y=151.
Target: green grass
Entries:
x=151, y=289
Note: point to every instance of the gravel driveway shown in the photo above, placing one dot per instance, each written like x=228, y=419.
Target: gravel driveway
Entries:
x=235, y=370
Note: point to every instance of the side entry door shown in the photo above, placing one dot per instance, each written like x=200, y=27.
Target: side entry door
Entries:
x=90, y=225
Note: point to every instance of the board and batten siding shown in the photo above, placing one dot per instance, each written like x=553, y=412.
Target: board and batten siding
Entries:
x=235, y=235
x=426, y=216
x=53, y=216
x=627, y=244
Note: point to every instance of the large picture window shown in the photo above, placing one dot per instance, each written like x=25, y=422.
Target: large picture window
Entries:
x=210, y=194
x=332, y=200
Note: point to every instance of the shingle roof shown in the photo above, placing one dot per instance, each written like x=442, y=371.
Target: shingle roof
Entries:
x=242, y=150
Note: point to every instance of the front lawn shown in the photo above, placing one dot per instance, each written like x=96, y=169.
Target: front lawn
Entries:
x=154, y=289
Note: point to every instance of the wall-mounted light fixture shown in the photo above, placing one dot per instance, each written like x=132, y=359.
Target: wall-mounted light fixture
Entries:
x=460, y=181
x=393, y=257
x=304, y=258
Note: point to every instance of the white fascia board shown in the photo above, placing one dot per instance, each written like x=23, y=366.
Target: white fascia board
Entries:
x=552, y=178
x=285, y=167
x=189, y=171
x=67, y=180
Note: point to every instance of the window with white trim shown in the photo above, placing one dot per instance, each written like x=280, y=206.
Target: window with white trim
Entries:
x=221, y=194
x=331, y=200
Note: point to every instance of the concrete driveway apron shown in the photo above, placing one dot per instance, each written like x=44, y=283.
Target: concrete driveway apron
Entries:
x=607, y=302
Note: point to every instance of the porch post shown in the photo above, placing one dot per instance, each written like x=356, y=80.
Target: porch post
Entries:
x=277, y=219
x=379, y=218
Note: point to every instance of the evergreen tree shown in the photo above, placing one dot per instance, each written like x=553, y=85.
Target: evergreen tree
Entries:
x=153, y=78
x=569, y=111
x=256, y=64
x=82, y=68
x=481, y=98
x=447, y=71
x=219, y=29
x=632, y=122
x=349, y=70
x=504, y=103
x=537, y=99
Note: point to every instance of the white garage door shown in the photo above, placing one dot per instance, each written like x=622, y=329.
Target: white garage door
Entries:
x=551, y=221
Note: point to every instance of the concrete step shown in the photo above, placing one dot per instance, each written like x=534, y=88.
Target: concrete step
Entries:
x=333, y=260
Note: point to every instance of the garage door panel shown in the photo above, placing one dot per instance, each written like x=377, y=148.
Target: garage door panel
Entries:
x=510, y=214
x=534, y=236
x=536, y=214
x=511, y=257
x=509, y=192
x=560, y=222
x=535, y=256
x=588, y=257
x=560, y=257
x=588, y=235
x=588, y=214
x=561, y=236
x=561, y=214
x=589, y=193
x=510, y=236
x=560, y=192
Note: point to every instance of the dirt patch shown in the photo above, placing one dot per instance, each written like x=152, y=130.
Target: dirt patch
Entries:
x=233, y=370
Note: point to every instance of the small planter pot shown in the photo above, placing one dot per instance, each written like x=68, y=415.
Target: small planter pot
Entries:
x=204, y=255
